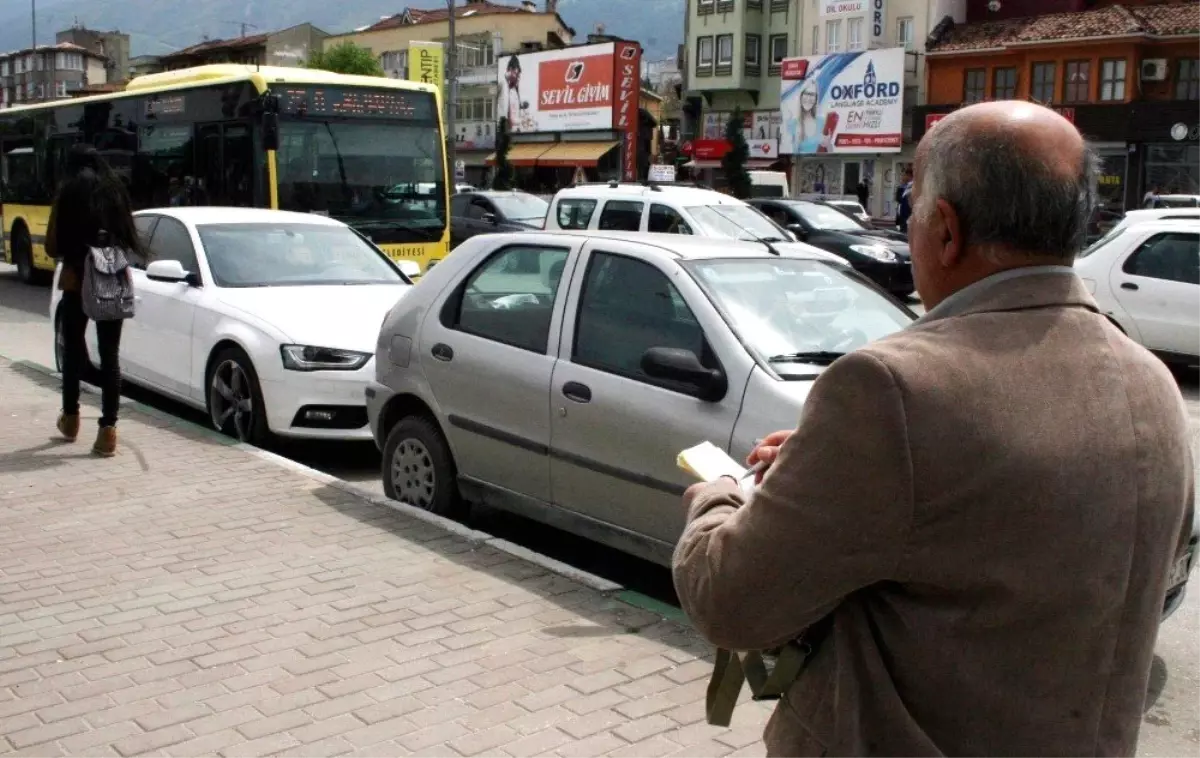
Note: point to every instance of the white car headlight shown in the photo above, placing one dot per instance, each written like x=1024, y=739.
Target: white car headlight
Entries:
x=309, y=358
x=878, y=252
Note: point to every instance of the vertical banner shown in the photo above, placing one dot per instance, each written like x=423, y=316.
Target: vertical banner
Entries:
x=426, y=64
x=878, y=21
x=627, y=59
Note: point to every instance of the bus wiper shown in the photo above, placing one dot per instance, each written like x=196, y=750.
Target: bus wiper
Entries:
x=809, y=356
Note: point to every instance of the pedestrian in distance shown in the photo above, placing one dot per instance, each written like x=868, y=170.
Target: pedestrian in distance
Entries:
x=904, y=200
x=92, y=235
x=972, y=528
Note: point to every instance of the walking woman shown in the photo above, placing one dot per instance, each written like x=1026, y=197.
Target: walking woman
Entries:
x=92, y=209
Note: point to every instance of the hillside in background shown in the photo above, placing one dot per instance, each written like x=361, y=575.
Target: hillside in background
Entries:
x=160, y=26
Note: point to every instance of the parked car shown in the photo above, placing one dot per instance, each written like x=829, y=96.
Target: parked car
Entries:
x=1143, y=215
x=489, y=211
x=1146, y=278
x=565, y=393
x=880, y=255
x=265, y=319
x=1174, y=201
x=851, y=208
x=669, y=209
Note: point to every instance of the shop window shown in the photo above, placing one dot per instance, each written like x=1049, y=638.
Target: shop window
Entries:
x=1173, y=167
x=1112, y=80
x=974, y=85
x=1077, y=79
x=1187, y=79
x=1042, y=82
x=1004, y=84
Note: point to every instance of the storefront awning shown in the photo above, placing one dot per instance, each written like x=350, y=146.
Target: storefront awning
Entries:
x=523, y=153
x=570, y=154
x=751, y=164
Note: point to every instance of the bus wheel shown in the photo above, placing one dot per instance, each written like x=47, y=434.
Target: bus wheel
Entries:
x=23, y=257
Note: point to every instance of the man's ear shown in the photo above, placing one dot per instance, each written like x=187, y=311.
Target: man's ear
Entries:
x=949, y=234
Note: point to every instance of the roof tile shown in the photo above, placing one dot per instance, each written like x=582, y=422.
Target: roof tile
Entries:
x=411, y=16
x=1111, y=21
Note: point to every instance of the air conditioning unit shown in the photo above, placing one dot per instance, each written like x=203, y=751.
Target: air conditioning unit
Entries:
x=1154, y=70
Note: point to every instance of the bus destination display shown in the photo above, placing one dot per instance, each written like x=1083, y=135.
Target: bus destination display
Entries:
x=338, y=101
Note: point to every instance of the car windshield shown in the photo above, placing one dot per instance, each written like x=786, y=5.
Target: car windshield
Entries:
x=521, y=207
x=292, y=254
x=739, y=222
x=794, y=311
x=1113, y=233
x=826, y=218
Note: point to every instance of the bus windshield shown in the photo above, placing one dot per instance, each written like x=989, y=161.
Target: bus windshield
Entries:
x=372, y=175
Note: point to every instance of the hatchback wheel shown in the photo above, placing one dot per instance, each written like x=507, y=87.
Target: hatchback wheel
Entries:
x=235, y=401
x=418, y=468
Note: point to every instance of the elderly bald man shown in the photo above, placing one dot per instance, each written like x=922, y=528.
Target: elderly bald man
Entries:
x=981, y=511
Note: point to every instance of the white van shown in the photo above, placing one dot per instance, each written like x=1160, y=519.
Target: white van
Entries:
x=769, y=184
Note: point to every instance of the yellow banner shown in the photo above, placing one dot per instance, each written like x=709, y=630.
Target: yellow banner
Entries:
x=426, y=63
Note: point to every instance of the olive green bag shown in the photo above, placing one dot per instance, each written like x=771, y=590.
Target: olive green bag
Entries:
x=768, y=672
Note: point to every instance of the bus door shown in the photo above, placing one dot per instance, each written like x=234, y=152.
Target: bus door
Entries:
x=225, y=165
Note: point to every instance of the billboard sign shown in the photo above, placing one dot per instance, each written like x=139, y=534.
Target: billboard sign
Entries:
x=844, y=7
x=627, y=59
x=572, y=89
x=843, y=103
x=426, y=63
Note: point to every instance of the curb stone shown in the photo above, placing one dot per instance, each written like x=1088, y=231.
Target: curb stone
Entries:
x=475, y=537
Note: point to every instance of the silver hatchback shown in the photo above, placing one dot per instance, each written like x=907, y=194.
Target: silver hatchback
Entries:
x=558, y=374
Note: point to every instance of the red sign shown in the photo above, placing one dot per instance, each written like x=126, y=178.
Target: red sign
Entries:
x=867, y=140
x=627, y=57
x=686, y=148
x=710, y=149
x=794, y=68
x=573, y=83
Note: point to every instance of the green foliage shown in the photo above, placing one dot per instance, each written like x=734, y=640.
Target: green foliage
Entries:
x=504, y=177
x=347, y=58
x=734, y=162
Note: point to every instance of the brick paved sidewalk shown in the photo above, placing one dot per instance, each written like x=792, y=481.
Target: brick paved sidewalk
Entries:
x=191, y=598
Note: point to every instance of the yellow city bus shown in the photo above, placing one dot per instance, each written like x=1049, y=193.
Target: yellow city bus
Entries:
x=365, y=150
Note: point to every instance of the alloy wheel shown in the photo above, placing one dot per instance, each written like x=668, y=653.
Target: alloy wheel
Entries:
x=231, y=400
x=413, y=474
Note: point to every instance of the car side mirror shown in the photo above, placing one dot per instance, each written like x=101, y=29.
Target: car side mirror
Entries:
x=798, y=230
x=490, y=218
x=683, y=366
x=166, y=271
x=411, y=269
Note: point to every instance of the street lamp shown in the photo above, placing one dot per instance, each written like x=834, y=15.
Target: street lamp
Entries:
x=451, y=96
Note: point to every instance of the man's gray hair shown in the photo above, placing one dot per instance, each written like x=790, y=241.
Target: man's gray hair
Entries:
x=1004, y=195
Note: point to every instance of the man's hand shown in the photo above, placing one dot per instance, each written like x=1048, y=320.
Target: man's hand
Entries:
x=691, y=492
x=767, y=451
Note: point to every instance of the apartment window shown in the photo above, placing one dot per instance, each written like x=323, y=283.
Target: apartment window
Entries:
x=779, y=49
x=476, y=53
x=833, y=36
x=725, y=51
x=1187, y=79
x=974, y=85
x=704, y=55
x=905, y=30
x=395, y=63
x=816, y=41
x=705, y=6
x=1112, y=79
x=475, y=109
x=753, y=50
x=1004, y=84
x=854, y=34
x=1042, y=84
x=1076, y=81
x=60, y=89
x=41, y=62
x=68, y=62
x=724, y=5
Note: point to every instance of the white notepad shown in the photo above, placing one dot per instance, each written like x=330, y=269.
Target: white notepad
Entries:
x=707, y=462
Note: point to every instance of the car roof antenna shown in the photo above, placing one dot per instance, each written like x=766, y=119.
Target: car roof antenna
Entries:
x=765, y=243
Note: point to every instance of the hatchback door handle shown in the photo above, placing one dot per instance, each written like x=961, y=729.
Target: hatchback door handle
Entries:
x=1128, y=286
x=580, y=393
x=443, y=352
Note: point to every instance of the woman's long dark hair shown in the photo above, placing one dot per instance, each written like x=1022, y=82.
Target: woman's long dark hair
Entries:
x=95, y=198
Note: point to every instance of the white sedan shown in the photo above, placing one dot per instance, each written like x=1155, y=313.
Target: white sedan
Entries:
x=265, y=319
x=1146, y=279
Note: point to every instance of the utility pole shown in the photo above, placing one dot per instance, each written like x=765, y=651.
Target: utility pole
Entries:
x=33, y=18
x=451, y=96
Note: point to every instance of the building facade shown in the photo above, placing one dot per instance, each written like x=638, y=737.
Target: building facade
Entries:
x=48, y=72
x=287, y=47
x=1128, y=76
x=112, y=45
x=734, y=51
x=485, y=32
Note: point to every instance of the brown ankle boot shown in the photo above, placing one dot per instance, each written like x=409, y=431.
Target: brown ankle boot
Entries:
x=106, y=442
x=68, y=426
